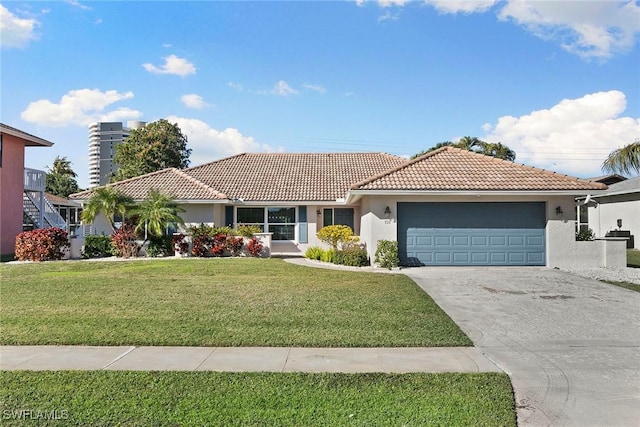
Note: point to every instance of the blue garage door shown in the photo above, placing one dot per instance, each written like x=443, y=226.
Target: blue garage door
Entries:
x=471, y=233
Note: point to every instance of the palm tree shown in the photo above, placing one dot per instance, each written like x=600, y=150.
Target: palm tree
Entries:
x=625, y=160
x=156, y=212
x=107, y=201
x=469, y=143
x=498, y=151
x=62, y=166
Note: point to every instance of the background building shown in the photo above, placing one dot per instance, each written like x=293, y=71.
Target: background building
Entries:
x=103, y=138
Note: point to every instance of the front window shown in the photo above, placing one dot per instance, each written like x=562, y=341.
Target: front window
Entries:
x=280, y=221
x=251, y=216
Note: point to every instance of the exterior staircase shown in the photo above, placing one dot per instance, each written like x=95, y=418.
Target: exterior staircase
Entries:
x=35, y=205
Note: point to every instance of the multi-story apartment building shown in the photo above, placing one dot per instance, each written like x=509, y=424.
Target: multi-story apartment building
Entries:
x=103, y=138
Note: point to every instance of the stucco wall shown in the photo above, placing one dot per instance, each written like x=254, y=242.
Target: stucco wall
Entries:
x=11, y=189
x=626, y=207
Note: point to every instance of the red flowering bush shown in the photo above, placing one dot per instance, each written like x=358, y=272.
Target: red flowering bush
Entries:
x=201, y=245
x=254, y=247
x=41, y=245
x=124, y=241
x=180, y=244
x=234, y=245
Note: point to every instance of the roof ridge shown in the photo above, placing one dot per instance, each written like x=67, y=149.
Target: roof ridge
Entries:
x=196, y=181
x=216, y=161
x=111, y=184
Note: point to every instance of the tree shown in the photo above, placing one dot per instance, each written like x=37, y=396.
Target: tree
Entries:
x=156, y=146
x=472, y=143
x=156, y=212
x=60, y=178
x=109, y=202
x=625, y=160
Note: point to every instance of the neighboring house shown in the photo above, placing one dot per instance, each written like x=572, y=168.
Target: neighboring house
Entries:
x=69, y=210
x=447, y=207
x=621, y=201
x=21, y=190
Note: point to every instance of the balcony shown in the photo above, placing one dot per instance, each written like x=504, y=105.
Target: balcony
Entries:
x=34, y=180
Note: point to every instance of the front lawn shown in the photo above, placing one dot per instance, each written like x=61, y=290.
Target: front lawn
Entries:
x=232, y=399
x=216, y=302
x=633, y=258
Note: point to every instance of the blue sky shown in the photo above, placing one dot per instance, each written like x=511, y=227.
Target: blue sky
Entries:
x=558, y=82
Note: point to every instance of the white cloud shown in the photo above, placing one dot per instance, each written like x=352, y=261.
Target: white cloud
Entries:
x=172, y=65
x=590, y=29
x=193, y=100
x=462, y=6
x=77, y=4
x=316, y=88
x=283, y=89
x=16, y=32
x=80, y=107
x=210, y=144
x=574, y=136
x=390, y=3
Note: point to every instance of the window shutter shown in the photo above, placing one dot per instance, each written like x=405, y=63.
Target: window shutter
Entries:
x=303, y=231
x=228, y=216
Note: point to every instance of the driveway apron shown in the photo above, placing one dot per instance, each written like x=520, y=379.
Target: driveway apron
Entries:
x=571, y=345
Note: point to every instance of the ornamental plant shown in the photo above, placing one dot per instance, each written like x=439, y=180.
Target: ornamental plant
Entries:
x=234, y=245
x=337, y=236
x=180, y=244
x=43, y=244
x=254, y=247
x=387, y=254
x=124, y=242
x=218, y=244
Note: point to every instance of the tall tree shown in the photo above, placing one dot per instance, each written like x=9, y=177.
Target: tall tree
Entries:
x=625, y=160
x=156, y=146
x=472, y=143
x=156, y=212
x=60, y=178
x=109, y=202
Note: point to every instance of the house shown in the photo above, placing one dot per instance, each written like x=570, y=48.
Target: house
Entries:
x=447, y=207
x=21, y=189
x=619, y=203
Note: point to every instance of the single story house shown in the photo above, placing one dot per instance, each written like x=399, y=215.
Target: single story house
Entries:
x=619, y=203
x=447, y=207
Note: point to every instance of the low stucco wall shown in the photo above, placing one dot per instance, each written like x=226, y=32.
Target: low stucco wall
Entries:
x=601, y=253
x=603, y=218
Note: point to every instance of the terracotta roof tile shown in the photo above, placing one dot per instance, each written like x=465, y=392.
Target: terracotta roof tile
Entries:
x=173, y=182
x=292, y=176
x=451, y=169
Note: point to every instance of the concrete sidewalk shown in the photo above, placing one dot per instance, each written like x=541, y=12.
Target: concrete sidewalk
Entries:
x=246, y=359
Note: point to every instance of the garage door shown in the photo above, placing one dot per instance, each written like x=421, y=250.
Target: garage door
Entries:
x=471, y=233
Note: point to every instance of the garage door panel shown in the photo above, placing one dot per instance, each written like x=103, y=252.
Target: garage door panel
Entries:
x=471, y=233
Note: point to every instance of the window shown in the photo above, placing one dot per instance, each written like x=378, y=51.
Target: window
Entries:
x=328, y=217
x=251, y=216
x=338, y=216
x=280, y=221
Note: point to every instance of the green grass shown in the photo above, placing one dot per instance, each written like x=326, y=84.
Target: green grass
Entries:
x=633, y=258
x=257, y=399
x=216, y=302
x=626, y=285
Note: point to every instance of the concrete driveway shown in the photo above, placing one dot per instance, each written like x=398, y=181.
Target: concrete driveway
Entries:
x=570, y=345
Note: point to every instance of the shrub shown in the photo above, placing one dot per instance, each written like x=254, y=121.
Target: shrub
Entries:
x=254, y=247
x=314, y=252
x=248, y=230
x=160, y=246
x=180, y=244
x=201, y=245
x=329, y=255
x=387, y=254
x=97, y=247
x=353, y=257
x=234, y=244
x=585, y=234
x=124, y=242
x=338, y=236
x=43, y=244
x=218, y=244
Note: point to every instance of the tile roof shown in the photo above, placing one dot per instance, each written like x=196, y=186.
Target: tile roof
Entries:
x=173, y=182
x=30, y=140
x=292, y=176
x=454, y=169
